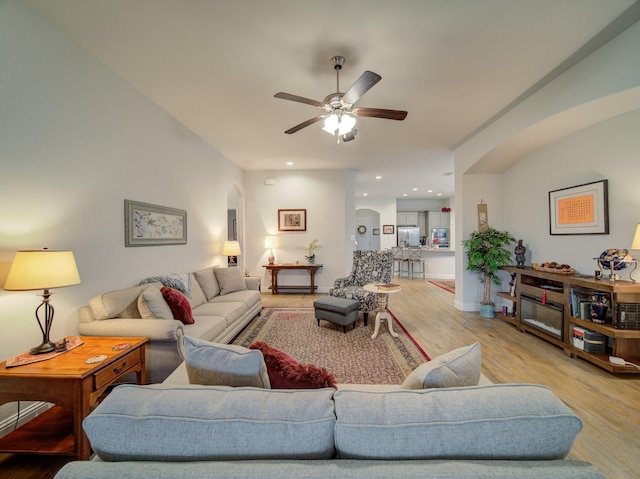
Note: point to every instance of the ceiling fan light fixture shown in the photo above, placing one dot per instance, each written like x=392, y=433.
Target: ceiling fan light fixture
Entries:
x=347, y=122
x=339, y=123
x=331, y=123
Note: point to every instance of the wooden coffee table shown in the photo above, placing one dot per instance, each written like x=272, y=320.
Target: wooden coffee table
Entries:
x=73, y=386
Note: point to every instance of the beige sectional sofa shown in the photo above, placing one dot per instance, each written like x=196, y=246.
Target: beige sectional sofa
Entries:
x=222, y=303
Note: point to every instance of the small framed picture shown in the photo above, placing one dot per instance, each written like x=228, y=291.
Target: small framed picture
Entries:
x=376, y=231
x=292, y=220
x=388, y=229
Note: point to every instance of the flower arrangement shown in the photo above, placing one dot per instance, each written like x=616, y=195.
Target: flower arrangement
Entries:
x=310, y=249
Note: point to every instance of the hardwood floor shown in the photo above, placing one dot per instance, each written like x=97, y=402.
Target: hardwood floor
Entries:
x=609, y=405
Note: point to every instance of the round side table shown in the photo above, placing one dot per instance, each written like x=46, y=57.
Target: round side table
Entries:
x=383, y=312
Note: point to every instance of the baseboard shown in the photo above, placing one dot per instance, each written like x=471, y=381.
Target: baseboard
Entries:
x=27, y=413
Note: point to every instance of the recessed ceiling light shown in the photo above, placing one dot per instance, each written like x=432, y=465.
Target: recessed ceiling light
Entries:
x=365, y=194
x=378, y=177
x=429, y=191
x=414, y=189
x=404, y=194
x=439, y=194
x=289, y=163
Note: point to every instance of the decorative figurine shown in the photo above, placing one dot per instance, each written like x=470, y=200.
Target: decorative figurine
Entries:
x=520, y=251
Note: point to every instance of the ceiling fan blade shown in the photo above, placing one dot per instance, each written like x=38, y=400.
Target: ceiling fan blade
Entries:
x=381, y=113
x=361, y=86
x=304, y=124
x=299, y=99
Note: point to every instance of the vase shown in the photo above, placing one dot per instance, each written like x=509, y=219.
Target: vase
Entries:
x=311, y=259
x=487, y=311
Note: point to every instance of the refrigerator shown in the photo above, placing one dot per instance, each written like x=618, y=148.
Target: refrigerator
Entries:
x=408, y=236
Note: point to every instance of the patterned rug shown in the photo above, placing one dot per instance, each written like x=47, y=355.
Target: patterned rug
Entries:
x=446, y=285
x=352, y=357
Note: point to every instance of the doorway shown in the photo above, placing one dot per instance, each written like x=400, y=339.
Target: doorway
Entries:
x=367, y=230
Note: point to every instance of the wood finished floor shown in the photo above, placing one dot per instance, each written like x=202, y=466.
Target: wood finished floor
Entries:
x=609, y=405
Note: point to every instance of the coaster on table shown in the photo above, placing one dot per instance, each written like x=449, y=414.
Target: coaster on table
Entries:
x=96, y=359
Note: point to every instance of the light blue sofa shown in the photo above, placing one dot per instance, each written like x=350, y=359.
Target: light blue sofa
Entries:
x=493, y=431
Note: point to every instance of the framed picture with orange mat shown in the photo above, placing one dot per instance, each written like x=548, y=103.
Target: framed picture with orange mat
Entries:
x=579, y=210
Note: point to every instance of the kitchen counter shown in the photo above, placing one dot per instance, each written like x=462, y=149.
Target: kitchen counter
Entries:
x=439, y=263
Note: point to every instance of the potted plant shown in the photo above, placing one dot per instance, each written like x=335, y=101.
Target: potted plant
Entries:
x=486, y=254
x=311, y=250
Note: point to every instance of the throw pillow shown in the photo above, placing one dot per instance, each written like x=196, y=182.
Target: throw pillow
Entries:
x=178, y=304
x=457, y=368
x=208, y=283
x=287, y=373
x=151, y=304
x=179, y=281
x=230, y=280
x=223, y=364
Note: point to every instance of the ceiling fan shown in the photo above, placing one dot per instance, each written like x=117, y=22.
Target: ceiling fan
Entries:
x=339, y=111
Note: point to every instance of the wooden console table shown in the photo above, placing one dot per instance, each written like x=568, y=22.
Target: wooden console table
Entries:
x=276, y=268
x=73, y=386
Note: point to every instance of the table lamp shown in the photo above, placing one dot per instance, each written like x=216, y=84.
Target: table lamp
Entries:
x=270, y=242
x=232, y=250
x=42, y=269
x=635, y=244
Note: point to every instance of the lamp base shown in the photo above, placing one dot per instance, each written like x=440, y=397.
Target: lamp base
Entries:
x=44, y=348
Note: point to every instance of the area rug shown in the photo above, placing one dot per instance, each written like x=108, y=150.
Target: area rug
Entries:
x=353, y=357
x=446, y=285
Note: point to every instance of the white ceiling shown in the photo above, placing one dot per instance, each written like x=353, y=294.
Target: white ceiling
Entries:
x=452, y=64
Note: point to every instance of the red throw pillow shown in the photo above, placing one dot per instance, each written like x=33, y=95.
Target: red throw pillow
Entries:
x=179, y=304
x=287, y=373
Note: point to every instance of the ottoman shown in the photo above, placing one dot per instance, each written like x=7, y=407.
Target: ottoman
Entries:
x=337, y=310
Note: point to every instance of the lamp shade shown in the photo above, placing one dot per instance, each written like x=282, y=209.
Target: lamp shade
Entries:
x=42, y=269
x=635, y=244
x=231, y=248
x=270, y=241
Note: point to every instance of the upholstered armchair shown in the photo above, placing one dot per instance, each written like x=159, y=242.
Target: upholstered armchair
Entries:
x=368, y=267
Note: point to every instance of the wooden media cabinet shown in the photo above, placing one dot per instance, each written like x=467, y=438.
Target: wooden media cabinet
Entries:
x=557, y=296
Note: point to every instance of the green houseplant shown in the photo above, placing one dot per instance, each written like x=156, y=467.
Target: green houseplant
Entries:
x=486, y=254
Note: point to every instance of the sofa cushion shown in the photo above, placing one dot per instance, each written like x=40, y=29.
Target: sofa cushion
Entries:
x=208, y=282
x=229, y=280
x=457, y=368
x=151, y=304
x=121, y=303
x=179, y=281
x=286, y=372
x=195, y=423
x=179, y=304
x=500, y=421
x=223, y=364
x=197, y=295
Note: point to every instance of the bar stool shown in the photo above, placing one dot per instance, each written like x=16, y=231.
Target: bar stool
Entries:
x=399, y=257
x=415, y=258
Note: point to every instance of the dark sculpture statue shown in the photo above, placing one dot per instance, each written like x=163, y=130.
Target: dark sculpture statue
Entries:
x=520, y=251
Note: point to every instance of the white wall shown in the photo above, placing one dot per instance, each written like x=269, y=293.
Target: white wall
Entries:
x=323, y=194
x=608, y=150
x=75, y=141
x=579, y=102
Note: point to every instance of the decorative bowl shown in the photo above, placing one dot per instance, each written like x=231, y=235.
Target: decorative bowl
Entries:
x=620, y=258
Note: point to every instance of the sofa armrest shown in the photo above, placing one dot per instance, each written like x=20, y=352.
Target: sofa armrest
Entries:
x=252, y=282
x=154, y=329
